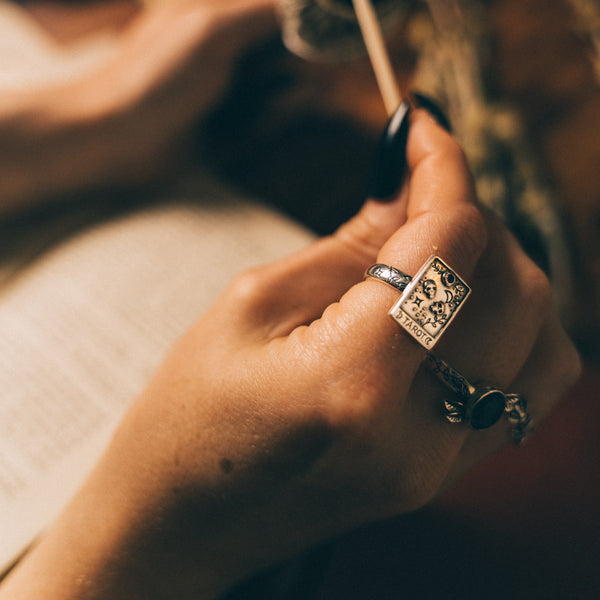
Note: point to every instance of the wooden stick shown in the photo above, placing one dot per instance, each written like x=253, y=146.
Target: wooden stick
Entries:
x=380, y=58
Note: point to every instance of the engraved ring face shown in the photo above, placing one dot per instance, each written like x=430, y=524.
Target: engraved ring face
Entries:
x=430, y=302
x=390, y=275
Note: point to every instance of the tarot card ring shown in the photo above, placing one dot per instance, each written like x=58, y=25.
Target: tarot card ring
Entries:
x=430, y=302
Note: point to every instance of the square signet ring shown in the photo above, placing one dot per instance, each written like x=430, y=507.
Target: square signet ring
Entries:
x=430, y=302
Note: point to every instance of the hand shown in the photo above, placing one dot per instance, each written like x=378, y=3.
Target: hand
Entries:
x=296, y=408
x=123, y=121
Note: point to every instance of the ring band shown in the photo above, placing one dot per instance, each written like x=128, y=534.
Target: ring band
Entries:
x=390, y=275
x=481, y=407
x=518, y=417
x=430, y=300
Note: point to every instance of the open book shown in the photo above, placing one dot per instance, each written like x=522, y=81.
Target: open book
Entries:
x=85, y=323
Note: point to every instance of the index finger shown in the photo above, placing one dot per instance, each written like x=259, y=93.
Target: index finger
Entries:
x=442, y=219
x=442, y=215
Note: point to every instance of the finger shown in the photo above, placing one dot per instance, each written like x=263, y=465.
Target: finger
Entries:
x=296, y=290
x=551, y=369
x=433, y=215
x=441, y=217
x=356, y=362
x=557, y=359
x=498, y=331
x=510, y=300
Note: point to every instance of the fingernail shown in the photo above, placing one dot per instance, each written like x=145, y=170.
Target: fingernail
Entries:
x=389, y=168
x=425, y=102
x=390, y=156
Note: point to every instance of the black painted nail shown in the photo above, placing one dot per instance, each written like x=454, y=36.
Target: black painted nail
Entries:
x=389, y=167
x=425, y=102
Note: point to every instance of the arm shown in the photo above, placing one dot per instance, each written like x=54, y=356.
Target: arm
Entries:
x=116, y=124
x=260, y=435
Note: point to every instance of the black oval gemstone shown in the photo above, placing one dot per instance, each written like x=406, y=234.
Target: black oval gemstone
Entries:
x=486, y=407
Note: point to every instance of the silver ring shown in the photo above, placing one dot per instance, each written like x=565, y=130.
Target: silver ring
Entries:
x=518, y=417
x=390, y=275
x=430, y=302
x=481, y=407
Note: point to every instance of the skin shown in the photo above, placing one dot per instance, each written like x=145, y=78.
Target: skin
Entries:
x=296, y=408
x=120, y=123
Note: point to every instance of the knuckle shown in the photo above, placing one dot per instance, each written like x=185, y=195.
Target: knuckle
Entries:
x=428, y=469
x=356, y=402
x=417, y=483
x=351, y=408
x=419, y=490
x=249, y=287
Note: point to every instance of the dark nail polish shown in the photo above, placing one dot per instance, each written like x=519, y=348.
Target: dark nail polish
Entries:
x=390, y=156
x=425, y=102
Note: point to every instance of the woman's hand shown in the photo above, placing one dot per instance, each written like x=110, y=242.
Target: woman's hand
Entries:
x=297, y=408
x=120, y=122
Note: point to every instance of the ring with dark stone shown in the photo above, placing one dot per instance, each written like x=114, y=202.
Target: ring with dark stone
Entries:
x=480, y=407
x=485, y=407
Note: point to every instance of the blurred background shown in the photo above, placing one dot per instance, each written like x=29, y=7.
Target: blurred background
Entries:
x=520, y=81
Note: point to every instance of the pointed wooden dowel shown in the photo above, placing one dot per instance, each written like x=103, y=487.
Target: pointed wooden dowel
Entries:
x=378, y=54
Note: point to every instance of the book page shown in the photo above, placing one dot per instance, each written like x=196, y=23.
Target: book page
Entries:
x=83, y=327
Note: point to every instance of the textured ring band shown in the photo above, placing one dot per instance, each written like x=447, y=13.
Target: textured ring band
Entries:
x=481, y=407
x=390, y=275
